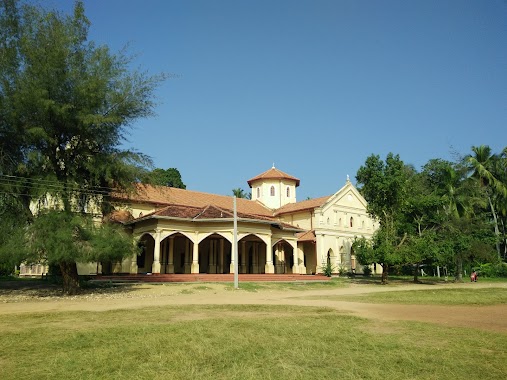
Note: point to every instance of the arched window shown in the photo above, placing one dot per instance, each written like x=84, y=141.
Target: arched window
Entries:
x=258, y=192
x=351, y=222
x=340, y=222
x=288, y=192
x=272, y=191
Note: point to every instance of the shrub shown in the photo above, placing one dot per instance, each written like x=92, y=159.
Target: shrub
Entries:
x=328, y=269
x=493, y=270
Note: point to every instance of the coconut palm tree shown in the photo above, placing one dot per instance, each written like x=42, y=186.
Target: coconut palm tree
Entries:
x=240, y=193
x=483, y=164
x=460, y=199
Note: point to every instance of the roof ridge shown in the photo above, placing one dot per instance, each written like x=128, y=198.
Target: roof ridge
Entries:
x=273, y=173
x=202, y=212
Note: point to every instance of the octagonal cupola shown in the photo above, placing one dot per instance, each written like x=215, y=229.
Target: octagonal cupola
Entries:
x=274, y=188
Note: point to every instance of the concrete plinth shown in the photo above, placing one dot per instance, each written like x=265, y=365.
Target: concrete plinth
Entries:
x=269, y=268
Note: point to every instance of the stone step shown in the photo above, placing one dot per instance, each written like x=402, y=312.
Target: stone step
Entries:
x=204, y=277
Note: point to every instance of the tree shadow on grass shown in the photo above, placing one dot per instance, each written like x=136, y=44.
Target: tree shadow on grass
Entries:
x=38, y=288
x=397, y=280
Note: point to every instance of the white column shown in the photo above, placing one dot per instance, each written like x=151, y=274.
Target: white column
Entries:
x=163, y=256
x=301, y=254
x=195, y=256
x=133, y=261
x=339, y=244
x=231, y=266
x=295, y=267
x=155, y=268
x=269, y=268
x=321, y=258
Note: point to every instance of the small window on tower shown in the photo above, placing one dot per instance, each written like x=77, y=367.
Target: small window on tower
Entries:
x=351, y=222
x=272, y=191
x=258, y=192
x=288, y=192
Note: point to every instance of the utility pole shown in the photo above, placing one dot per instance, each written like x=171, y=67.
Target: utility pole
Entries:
x=235, y=247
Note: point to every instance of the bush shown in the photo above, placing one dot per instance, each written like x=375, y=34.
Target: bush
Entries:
x=343, y=270
x=328, y=269
x=492, y=270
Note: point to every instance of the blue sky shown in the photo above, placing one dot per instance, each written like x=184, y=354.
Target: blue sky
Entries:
x=313, y=86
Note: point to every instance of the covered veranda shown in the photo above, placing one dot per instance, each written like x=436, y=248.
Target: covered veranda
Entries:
x=170, y=245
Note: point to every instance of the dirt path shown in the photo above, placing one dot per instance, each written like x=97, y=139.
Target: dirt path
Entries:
x=492, y=318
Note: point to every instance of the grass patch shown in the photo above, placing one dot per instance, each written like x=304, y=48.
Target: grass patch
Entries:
x=247, y=286
x=292, y=285
x=491, y=279
x=489, y=296
x=240, y=342
x=335, y=282
x=201, y=287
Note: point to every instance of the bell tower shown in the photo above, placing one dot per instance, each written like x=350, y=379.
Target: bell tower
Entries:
x=274, y=188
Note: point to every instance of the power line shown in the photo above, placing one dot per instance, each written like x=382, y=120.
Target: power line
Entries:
x=53, y=186
x=47, y=182
x=54, y=189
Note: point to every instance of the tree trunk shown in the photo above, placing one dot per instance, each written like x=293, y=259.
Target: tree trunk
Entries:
x=504, y=240
x=70, y=277
x=497, y=231
x=385, y=269
x=459, y=269
x=416, y=273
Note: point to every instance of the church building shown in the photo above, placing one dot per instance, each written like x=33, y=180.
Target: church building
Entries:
x=184, y=231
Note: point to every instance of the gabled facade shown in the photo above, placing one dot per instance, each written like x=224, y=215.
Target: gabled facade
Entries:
x=332, y=223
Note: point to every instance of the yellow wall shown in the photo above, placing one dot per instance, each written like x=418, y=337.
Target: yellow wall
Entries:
x=280, y=198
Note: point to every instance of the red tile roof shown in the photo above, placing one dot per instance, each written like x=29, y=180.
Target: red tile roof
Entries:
x=306, y=236
x=188, y=204
x=162, y=195
x=302, y=206
x=273, y=173
x=212, y=212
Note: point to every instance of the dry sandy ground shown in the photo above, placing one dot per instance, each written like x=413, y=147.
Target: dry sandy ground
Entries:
x=492, y=318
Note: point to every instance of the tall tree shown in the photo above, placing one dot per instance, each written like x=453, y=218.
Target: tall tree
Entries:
x=420, y=219
x=61, y=238
x=482, y=163
x=463, y=205
x=500, y=200
x=383, y=185
x=240, y=193
x=73, y=103
x=66, y=107
x=170, y=177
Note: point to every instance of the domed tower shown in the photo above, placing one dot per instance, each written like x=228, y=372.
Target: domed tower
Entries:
x=274, y=188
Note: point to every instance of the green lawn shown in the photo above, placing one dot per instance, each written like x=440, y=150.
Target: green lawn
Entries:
x=471, y=296
x=241, y=342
